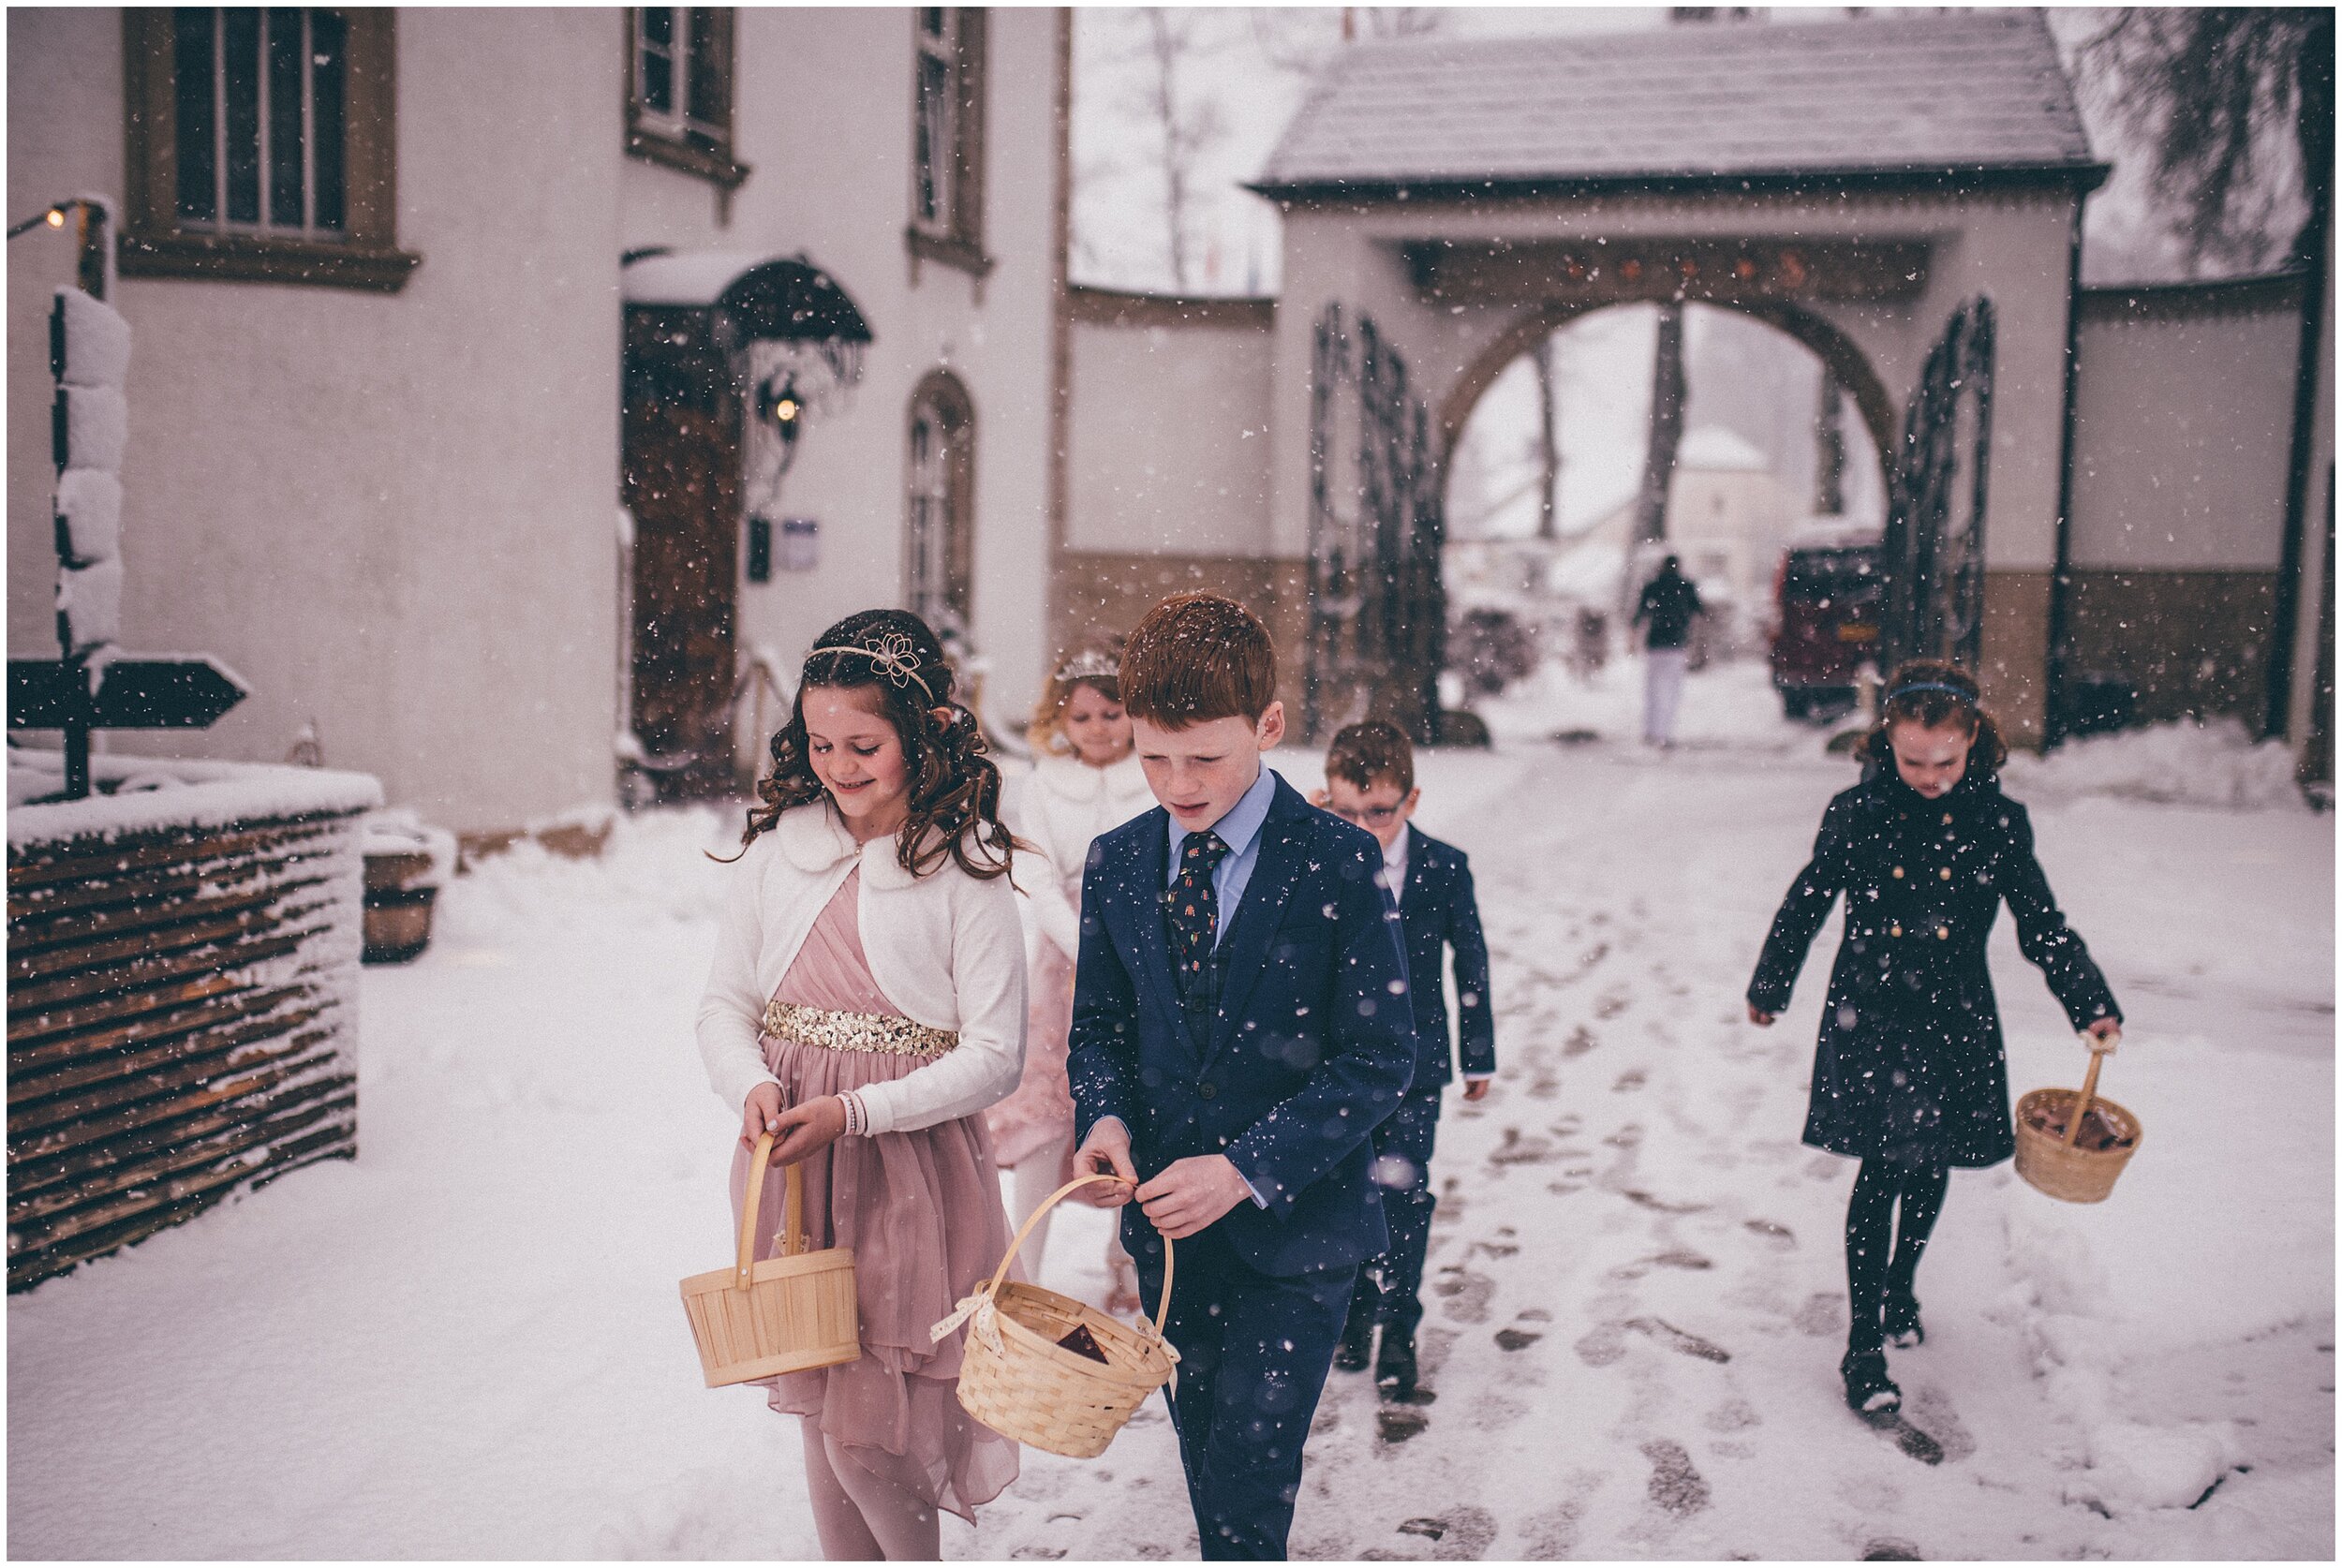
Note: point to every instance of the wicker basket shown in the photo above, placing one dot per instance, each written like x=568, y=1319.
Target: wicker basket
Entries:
x=1018, y=1380
x=2058, y=1166
x=786, y=1314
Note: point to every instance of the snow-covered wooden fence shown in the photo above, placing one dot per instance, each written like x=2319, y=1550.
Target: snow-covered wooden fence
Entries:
x=182, y=963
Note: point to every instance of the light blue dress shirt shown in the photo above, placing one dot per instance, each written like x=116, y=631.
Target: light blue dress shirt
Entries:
x=1239, y=830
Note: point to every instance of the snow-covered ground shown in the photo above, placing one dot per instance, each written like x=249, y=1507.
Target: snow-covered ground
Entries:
x=468, y=1343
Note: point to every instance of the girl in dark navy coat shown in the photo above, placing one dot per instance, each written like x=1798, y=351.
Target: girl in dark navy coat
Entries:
x=1909, y=1076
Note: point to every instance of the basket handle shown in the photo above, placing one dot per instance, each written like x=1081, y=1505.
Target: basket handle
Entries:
x=792, y=1214
x=1163, y=1307
x=2089, y=1090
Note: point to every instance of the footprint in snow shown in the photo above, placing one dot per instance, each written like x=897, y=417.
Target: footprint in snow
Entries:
x=1551, y=1534
x=1466, y=1293
x=1930, y=1410
x=1733, y=1415
x=1516, y=1338
x=1519, y=1150
x=1636, y=1195
x=1461, y=1534
x=1682, y=1258
x=1823, y=1315
x=1602, y=1344
x=1632, y=1078
x=1678, y=1341
x=1780, y=1235
x=1581, y=1040
x=1890, y=1548
x=1432, y=1345
x=1396, y=1424
x=1676, y=1484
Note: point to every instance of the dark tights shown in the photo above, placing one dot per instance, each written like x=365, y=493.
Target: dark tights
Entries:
x=1873, y=1272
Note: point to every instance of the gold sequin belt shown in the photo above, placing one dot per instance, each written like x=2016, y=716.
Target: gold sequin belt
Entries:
x=856, y=1031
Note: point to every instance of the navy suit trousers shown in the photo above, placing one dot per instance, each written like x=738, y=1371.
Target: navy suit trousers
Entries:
x=1254, y=1350
x=1402, y=1170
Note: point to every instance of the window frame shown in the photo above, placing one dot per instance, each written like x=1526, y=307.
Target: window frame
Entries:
x=674, y=140
x=941, y=400
x=956, y=238
x=155, y=243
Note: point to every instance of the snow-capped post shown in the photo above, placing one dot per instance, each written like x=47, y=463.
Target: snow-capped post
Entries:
x=88, y=686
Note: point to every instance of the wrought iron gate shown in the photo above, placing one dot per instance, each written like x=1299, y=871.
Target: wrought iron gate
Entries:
x=1933, y=556
x=1377, y=610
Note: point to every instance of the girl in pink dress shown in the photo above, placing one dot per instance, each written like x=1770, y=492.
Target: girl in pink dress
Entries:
x=866, y=1004
x=1086, y=779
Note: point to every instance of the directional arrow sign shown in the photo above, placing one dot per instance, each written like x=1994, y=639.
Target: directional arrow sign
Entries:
x=165, y=693
x=132, y=694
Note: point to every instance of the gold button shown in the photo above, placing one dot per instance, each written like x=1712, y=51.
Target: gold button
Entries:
x=1898, y=873
x=1946, y=819
x=1944, y=873
x=1943, y=932
x=1894, y=930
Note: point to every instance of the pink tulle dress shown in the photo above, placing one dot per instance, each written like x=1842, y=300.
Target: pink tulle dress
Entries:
x=1041, y=1110
x=921, y=1212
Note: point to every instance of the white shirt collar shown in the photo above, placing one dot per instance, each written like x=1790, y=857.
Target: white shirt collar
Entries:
x=1394, y=861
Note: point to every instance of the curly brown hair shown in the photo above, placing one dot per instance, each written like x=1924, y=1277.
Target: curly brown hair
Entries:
x=954, y=789
x=1931, y=693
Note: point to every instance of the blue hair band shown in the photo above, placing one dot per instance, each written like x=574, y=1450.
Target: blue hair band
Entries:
x=1930, y=685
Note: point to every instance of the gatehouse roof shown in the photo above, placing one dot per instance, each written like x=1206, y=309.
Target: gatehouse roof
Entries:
x=1880, y=98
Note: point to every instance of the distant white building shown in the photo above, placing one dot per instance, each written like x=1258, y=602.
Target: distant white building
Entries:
x=394, y=374
x=1727, y=512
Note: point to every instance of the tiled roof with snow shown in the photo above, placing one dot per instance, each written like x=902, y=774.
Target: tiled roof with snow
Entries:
x=1875, y=96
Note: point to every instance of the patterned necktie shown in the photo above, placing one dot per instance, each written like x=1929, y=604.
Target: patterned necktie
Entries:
x=1193, y=909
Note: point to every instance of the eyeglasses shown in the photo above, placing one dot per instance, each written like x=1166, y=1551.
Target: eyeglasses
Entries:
x=1374, y=816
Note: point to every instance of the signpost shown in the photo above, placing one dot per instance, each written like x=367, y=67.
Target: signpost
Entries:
x=89, y=686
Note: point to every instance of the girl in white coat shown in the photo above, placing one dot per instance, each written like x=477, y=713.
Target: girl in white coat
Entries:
x=866, y=1004
x=1086, y=779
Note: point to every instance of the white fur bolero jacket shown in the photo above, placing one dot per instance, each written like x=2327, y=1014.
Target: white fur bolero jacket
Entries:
x=945, y=948
x=1064, y=805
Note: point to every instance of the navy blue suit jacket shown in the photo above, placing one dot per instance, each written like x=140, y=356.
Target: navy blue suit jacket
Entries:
x=1441, y=909
x=1312, y=1046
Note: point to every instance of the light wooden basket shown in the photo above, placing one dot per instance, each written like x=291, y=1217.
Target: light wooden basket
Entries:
x=786, y=1314
x=1018, y=1380
x=2060, y=1166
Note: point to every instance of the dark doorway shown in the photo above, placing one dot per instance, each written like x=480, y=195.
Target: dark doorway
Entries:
x=680, y=465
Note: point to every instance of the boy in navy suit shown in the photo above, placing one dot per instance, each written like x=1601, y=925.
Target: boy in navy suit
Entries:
x=1370, y=781
x=1240, y=1026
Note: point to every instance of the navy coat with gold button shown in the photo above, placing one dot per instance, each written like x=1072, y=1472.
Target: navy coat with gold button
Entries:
x=1910, y=1066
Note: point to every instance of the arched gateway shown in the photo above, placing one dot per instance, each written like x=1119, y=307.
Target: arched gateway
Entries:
x=1860, y=184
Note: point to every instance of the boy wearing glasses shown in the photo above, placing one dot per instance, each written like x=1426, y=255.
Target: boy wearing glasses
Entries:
x=1369, y=780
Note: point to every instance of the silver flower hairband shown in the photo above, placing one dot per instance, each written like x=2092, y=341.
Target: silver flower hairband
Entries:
x=1091, y=664
x=893, y=656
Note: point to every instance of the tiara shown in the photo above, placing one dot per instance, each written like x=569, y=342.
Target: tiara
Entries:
x=1965, y=696
x=893, y=656
x=1089, y=665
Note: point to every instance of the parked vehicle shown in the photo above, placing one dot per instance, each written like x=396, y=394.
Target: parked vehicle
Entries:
x=1826, y=595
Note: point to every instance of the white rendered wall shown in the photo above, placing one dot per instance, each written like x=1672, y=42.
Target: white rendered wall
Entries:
x=391, y=513
x=825, y=127
x=2183, y=431
x=1170, y=441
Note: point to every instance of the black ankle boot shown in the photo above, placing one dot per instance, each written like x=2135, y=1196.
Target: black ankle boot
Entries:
x=1900, y=1321
x=1357, y=1341
x=1869, y=1391
x=1394, y=1368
